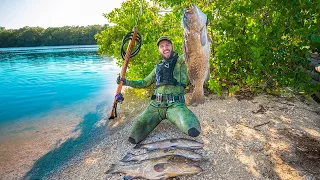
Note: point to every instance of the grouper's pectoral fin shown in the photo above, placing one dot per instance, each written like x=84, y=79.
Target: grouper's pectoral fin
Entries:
x=159, y=167
x=185, y=51
x=208, y=75
x=203, y=36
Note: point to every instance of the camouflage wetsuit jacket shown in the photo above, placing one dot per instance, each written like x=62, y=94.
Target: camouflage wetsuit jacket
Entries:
x=176, y=112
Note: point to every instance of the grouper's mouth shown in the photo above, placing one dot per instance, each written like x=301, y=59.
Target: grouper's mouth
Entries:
x=186, y=18
x=189, y=10
x=188, y=13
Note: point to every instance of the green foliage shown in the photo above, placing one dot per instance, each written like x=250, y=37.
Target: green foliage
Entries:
x=262, y=45
x=151, y=25
x=257, y=45
x=37, y=36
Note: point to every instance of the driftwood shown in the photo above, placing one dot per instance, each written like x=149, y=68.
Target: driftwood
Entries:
x=261, y=124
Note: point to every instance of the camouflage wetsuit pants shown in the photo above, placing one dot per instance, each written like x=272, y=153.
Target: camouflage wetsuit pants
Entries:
x=177, y=113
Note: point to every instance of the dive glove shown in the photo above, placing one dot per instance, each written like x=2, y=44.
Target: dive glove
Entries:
x=124, y=81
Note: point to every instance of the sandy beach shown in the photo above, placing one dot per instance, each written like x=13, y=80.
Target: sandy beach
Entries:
x=263, y=138
x=266, y=137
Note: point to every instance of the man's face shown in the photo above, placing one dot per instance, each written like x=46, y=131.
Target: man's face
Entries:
x=165, y=49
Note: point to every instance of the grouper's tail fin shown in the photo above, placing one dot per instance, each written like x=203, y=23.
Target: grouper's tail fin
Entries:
x=113, y=169
x=194, y=98
x=127, y=157
x=138, y=146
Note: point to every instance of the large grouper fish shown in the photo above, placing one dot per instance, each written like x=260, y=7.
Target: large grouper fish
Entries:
x=196, y=48
x=157, y=154
x=181, y=143
x=156, y=169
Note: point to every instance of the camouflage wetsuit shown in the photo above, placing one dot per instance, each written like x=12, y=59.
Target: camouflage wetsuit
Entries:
x=176, y=112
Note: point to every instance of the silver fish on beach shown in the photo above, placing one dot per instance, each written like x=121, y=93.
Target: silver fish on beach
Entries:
x=171, y=143
x=155, y=169
x=196, y=49
x=162, y=153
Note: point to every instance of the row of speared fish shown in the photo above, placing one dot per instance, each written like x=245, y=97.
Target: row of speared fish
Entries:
x=163, y=159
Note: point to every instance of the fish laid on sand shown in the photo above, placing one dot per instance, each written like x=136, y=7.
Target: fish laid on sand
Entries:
x=156, y=169
x=196, y=48
x=171, y=143
x=163, y=153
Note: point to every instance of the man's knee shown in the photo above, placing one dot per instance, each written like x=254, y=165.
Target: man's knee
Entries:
x=193, y=132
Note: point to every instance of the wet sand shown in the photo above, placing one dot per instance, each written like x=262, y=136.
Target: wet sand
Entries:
x=19, y=151
x=262, y=138
x=24, y=142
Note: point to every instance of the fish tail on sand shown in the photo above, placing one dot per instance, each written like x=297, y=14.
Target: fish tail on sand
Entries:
x=138, y=146
x=127, y=157
x=194, y=98
x=113, y=169
x=198, y=97
x=143, y=146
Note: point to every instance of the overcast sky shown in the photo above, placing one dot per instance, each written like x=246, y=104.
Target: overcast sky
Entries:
x=16, y=14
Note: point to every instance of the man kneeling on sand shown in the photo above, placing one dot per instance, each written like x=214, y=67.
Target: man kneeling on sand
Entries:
x=167, y=102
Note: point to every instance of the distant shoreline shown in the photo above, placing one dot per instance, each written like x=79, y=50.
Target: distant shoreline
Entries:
x=58, y=46
x=52, y=36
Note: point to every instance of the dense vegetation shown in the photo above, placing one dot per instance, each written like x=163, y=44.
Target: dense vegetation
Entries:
x=257, y=45
x=52, y=36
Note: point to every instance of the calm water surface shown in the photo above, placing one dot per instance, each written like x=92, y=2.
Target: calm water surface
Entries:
x=53, y=107
x=40, y=80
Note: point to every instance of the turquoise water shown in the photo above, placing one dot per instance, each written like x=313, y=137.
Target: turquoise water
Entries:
x=39, y=80
x=53, y=107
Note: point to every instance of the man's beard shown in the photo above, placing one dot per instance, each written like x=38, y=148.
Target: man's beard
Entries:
x=168, y=57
